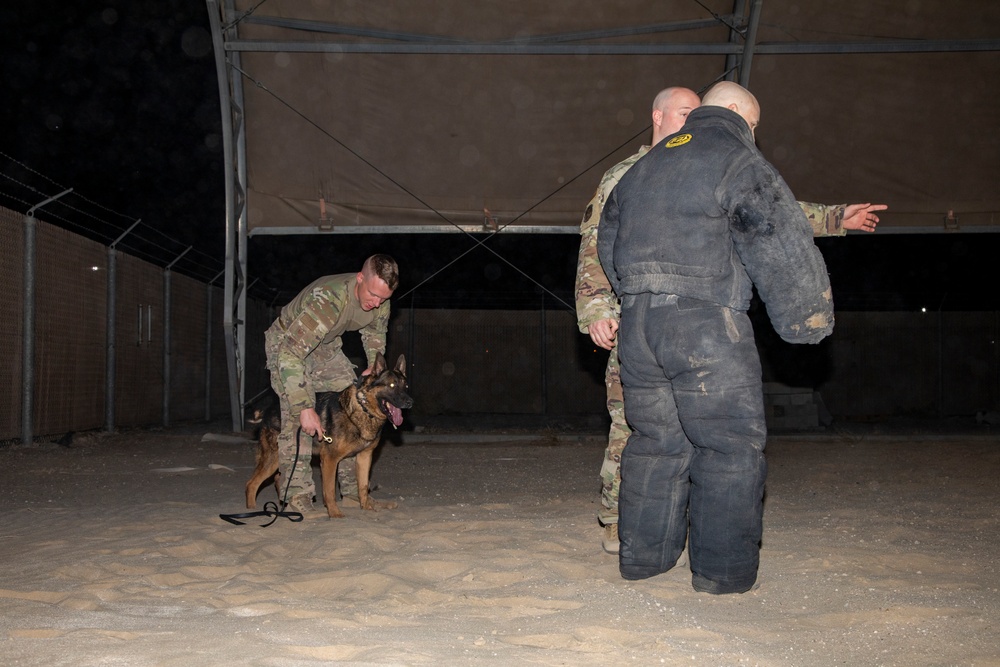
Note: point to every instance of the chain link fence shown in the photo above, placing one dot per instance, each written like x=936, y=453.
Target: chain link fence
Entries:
x=460, y=361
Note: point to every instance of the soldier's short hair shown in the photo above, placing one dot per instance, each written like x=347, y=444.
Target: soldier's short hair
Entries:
x=384, y=267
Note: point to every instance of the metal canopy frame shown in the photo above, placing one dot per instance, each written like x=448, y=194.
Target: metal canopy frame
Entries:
x=556, y=44
x=739, y=52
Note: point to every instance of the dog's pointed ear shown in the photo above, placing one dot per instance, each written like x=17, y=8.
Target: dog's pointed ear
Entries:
x=379, y=366
x=401, y=365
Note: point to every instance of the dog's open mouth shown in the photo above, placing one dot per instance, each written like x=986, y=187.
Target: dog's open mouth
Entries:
x=394, y=414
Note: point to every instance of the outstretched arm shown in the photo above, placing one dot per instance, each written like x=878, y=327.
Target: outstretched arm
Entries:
x=836, y=219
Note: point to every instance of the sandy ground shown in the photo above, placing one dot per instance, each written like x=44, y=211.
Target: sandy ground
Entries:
x=877, y=551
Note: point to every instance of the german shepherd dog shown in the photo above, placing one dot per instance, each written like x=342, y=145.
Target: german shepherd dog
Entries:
x=352, y=423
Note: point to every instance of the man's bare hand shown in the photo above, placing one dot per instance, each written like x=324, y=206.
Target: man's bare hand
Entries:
x=310, y=422
x=862, y=216
x=603, y=332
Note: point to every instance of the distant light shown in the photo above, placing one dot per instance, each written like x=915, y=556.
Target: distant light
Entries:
x=923, y=310
x=95, y=268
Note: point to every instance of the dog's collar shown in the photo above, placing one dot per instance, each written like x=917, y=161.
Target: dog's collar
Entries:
x=362, y=401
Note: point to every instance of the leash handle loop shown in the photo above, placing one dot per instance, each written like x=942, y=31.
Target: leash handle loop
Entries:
x=270, y=507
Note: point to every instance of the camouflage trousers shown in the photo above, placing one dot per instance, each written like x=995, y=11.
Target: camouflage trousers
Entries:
x=611, y=476
x=331, y=371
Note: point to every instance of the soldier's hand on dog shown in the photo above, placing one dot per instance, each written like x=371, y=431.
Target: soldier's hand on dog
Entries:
x=603, y=332
x=346, y=423
x=311, y=423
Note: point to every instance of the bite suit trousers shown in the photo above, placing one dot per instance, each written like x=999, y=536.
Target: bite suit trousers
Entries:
x=695, y=459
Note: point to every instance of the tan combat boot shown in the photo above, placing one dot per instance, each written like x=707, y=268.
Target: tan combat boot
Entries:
x=302, y=503
x=610, y=540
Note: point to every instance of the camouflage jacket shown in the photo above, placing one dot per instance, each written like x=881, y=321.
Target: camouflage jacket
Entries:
x=595, y=300
x=308, y=332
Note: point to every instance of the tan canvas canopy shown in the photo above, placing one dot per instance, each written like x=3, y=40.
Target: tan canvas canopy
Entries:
x=352, y=116
x=417, y=116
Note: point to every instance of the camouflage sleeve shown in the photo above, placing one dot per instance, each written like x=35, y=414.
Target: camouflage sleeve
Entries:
x=825, y=220
x=318, y=316
x=373, y=335
x=595, y=300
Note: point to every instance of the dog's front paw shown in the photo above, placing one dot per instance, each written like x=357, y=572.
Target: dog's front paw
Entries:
x=376, y=505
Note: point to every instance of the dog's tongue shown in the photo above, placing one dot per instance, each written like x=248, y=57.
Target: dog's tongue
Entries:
x=395, y=414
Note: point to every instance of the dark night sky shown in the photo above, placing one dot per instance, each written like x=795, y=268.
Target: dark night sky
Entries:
x=119, y=100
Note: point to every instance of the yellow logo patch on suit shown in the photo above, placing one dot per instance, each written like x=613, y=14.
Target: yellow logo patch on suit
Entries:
x=679, y=140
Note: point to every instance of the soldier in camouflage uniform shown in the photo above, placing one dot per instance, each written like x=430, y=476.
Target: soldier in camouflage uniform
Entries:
x=597, y=307
x=304, y=356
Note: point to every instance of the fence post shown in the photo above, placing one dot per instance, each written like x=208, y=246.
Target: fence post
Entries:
x=166, y=347
x=28, y=328
x=940, y=357
x=112, y=334
x=111, y=318
x=208, y=347
x=28, y=323
x=544, y=360
x=410, y=359
x=167, y=324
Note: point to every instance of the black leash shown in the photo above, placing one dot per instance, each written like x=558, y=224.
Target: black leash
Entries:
x=270, y=507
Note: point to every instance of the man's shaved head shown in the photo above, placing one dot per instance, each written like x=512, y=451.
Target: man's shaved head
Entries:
x=670, y=109
x=737, y=98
